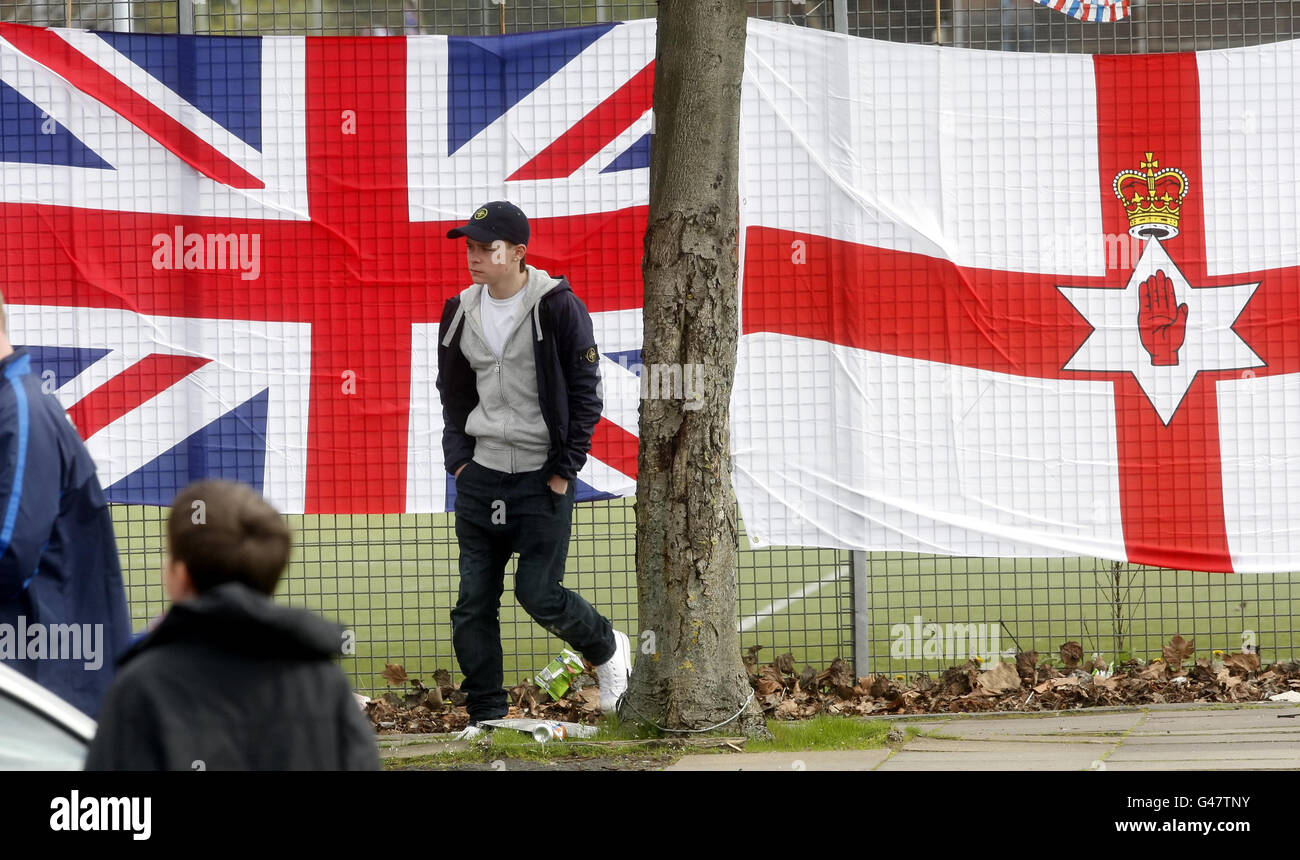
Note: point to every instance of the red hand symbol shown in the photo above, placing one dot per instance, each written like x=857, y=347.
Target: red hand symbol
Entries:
x=1161, y=324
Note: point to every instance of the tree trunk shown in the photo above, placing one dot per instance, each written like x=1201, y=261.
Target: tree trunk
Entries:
x=688, y=673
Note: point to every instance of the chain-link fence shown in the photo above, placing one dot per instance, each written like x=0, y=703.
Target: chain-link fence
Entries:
x=365, y=17
x=393, y=579
x=1010, y=25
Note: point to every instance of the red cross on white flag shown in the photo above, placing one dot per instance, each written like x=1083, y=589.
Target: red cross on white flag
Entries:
x=952, y=341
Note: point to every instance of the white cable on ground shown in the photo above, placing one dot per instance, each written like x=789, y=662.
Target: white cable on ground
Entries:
x=618, y=709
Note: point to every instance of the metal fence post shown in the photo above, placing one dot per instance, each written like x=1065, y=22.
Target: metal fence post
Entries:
x=185, y=17
x=858, y=559
x=861, y=615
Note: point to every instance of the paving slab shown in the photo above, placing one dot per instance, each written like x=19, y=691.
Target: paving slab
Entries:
x=811, y=760
x=413, y=750
x=1045, y=748
x=1226, y=738
x=1268, y=719
x=1205, y=752
x=1236, y=764
x=1064, y=757
x=1032, y=727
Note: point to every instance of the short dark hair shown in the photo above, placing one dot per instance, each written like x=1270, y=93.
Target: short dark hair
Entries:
x=226, y=532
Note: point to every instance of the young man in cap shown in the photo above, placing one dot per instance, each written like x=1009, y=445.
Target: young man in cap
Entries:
x=520, y=387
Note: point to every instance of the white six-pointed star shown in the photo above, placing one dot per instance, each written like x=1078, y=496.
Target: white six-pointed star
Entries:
x=1115, y=344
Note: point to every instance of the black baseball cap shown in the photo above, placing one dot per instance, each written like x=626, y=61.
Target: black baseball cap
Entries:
x=499, y=219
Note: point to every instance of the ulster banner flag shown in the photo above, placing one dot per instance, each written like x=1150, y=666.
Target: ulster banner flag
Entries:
x=984, y=315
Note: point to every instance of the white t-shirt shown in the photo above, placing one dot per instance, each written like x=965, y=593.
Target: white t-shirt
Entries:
x=499, y=316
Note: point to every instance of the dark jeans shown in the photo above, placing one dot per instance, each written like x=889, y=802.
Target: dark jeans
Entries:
x=497, y=514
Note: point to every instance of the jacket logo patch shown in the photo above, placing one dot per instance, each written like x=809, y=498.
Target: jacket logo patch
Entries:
x=589, y=355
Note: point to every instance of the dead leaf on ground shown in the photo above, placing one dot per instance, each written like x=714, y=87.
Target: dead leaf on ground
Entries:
x=808, y=679
x=785, y=663
x=1242, y=663
x=1002, y=678
x=879, y=686
x=787, y=710
x=1202, y=671
x=837, y=675
x=1057, y=683
x=960, y=680
x=1178, y=650
x=1026, y=664
x=1071, y=654
x=590, y=700
x=1152, y=672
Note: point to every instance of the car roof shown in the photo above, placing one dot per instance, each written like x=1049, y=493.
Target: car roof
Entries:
x=41, y=700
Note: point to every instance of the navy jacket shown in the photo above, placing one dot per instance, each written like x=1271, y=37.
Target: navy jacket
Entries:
x=568, y=383
x=232, y=680
x=58, y=553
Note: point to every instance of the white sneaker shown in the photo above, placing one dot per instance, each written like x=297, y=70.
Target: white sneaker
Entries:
x=612, y=675
x=471, y=732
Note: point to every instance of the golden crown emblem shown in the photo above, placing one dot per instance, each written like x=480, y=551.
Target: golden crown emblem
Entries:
x=1153, y=199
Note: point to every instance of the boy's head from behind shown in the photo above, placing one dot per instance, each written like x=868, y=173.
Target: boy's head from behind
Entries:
x=219, y=532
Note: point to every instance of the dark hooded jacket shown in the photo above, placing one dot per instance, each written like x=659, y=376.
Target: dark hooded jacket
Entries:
x=566, y=360
x=231, y=680
x=59, y=570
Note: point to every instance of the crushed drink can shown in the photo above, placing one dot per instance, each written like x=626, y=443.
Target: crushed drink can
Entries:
x=543, y=731
x=549, y=732
x=558, y=675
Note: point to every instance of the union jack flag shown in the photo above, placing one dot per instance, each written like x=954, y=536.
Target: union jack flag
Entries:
x=228, y=256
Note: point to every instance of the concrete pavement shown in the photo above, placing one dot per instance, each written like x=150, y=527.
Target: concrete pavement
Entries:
x=1156, y=737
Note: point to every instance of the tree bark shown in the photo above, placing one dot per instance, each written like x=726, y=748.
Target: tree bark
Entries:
x=688, y=673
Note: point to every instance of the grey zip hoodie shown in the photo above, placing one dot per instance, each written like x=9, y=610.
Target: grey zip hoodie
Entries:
x=508, y=427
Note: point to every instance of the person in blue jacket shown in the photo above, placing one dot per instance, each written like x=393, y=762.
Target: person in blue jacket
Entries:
x=63, y=613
